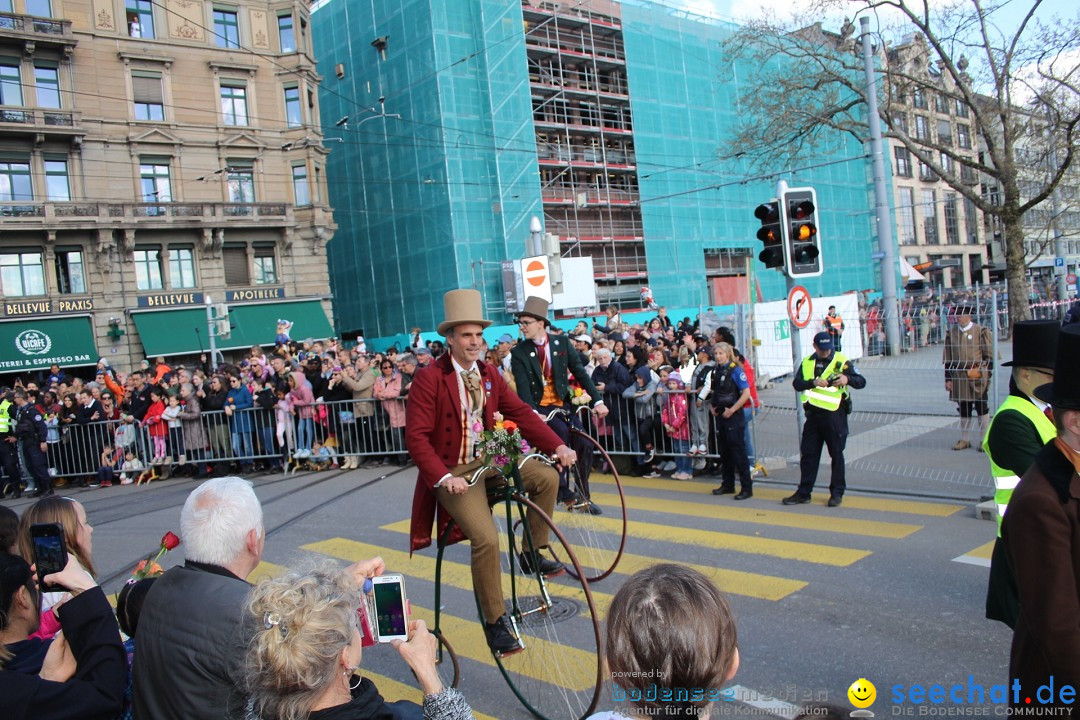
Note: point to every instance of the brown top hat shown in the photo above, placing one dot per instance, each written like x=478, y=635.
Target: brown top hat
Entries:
x=536, y=307
x=460, y=307
x=1064, y=392
x=1035, y=344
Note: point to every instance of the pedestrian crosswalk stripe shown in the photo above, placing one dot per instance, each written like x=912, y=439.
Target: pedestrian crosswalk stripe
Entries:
x=265, y=570
x=979, y=556
x=722, y=510
x=454, y=574
x=907, y=507
x=392, y=690
x=750, y=544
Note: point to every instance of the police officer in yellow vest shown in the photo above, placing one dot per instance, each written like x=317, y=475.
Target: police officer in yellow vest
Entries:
x=11, y=483
x=824, y=381
x=1021, y=427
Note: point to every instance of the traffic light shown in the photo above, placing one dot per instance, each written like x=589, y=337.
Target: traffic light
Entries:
x=771, y=234
x=802, y=244
x=222, y=325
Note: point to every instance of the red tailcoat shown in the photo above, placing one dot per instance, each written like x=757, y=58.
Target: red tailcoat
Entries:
x=433, y=433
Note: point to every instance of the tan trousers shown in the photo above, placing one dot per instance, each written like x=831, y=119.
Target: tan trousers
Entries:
x=473, y=515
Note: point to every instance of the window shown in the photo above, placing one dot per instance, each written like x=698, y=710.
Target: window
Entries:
x=944, y=132
x=903, y=162
x=906, y=213
x=148, y=96
x=181, y=268
x=293, y=114
x=241, y=181
x=929, y=214
x=918, y=98
x=301, y=192
x=963, y=136
x=265, y=269
x=925, y=173
x=952, y=220
x=971, y=221
x=15, y=183
x=70, y=273
x=941, y=103
x=286, y=34
x=140, y=18
x=22, y=274
x=235, y=260
x=900, y=122
x=968, y=176
x=946, y=163
x=10, y=82
x=922, y=130
x=226, y=29
x=39, y=8
x=961, y=108
x=154, y=182
x=234, y=102
x=147, y=269
x=47, y=81
x=56, y=180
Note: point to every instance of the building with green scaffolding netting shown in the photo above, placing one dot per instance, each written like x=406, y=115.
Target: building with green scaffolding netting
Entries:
x=460, y=120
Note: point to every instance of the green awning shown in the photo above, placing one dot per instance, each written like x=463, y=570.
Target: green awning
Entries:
x=181, y=332
x=37, y=343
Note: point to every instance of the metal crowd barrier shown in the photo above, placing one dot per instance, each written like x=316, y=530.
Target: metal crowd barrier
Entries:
x=347, y=428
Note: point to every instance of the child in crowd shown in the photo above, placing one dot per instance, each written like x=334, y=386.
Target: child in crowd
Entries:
x=674, y=417
x=131, y=468
x=321, y=456
x=156, y=426
x=171, y=415
x=283, y=421
x=106, y=468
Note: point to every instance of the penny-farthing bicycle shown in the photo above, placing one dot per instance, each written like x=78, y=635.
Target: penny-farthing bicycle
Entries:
x=557, y=676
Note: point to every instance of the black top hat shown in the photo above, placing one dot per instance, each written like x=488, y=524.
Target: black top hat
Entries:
x=1035, y=344
x=1064, y=392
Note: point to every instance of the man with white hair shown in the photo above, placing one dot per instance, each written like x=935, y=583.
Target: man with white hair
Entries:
x=191, y=634
x=192, y=630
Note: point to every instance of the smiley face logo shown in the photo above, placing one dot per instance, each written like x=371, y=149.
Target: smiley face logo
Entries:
x=862, y=693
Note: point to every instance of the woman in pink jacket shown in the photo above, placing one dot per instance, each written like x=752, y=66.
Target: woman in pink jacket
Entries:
x=388, y=390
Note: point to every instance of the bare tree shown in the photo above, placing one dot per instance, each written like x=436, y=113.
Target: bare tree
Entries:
x=1020, y=84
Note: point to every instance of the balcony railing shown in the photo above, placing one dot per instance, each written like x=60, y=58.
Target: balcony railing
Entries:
x=38, y=30
x=173, y=213
x=14, y=117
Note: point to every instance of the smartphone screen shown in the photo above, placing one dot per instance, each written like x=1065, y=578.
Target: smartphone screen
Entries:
x=390, y=608
x=50, y=555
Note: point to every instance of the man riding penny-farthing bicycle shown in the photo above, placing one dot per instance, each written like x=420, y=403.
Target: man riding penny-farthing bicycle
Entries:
x=542, y=364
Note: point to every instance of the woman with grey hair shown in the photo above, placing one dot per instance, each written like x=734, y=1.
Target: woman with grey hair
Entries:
x=194, y=434
x=306, y=648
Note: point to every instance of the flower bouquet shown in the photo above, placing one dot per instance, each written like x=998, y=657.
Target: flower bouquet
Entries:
x=580, y=397
x=150, y=567
x=502, y=446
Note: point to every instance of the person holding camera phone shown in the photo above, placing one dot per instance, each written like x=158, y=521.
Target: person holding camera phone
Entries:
x=307, y=646
x=81, y=673
x=824, y=380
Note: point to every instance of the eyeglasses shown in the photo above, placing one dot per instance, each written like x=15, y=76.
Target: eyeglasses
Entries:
x=526, y=321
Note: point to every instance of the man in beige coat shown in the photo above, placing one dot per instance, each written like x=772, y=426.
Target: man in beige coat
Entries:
x=360, y=380
x=969, y=361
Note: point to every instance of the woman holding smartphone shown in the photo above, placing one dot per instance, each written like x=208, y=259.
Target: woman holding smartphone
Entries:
x=306, y=648
x=78, y=534
x=82, y=673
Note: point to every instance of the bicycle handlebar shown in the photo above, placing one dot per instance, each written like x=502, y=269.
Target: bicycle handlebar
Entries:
x=554, y=412
x=484, y=468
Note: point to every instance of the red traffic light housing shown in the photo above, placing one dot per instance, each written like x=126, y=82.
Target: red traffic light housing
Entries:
x=771, y=234
x=802, y=245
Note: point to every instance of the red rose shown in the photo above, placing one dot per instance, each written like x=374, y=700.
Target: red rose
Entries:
x=170, y=541
x=509, y=425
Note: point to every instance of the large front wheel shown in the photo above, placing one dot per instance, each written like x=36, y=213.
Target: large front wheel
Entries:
x=557, y=675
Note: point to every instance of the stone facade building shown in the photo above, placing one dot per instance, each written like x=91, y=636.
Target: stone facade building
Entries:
x=155, y=155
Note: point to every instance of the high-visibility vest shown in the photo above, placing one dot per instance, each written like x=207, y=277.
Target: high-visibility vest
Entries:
x=834, y=323
x=5, y=417
x=1005, y=480
x=825, y=398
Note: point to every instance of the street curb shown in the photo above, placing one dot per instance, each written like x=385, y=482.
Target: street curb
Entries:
x=986, y=510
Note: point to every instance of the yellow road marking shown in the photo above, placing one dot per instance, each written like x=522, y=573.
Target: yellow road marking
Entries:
x=985, y=551
x=751, y=514
x=751, y=544
x=907, y=507
x=392, y=690
x=266, y=570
